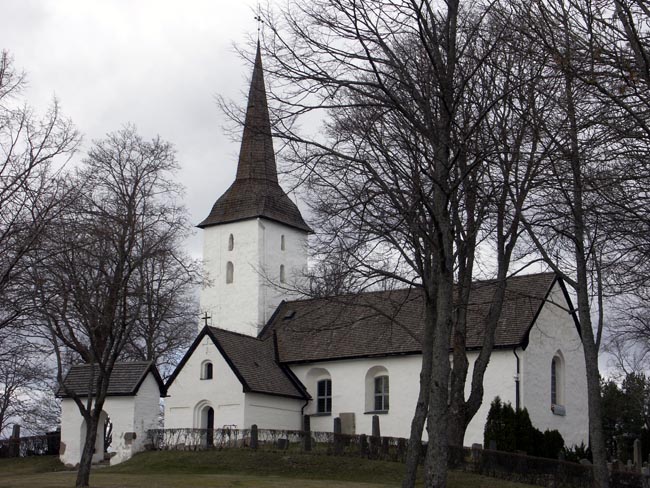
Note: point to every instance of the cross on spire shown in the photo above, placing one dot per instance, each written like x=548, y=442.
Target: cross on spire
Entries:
x=259, y=20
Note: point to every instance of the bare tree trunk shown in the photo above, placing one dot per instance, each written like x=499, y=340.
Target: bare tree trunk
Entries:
x=589, y=344
x=435, y=467
x=85, y=464
x=422, y=406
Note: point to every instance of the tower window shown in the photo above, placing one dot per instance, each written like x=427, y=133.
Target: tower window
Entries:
x=282, y=277
x=230, y=272
x=282, y=242
x=231, y=242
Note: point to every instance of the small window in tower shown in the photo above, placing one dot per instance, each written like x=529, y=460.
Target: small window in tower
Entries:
x=282, y=242
x=282, y=278
x=230, y=272
x=231, y=242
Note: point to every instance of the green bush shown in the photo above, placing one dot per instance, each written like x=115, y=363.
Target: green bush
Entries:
x=512, y=430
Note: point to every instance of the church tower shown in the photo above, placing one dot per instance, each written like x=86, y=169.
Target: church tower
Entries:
x=255, y=237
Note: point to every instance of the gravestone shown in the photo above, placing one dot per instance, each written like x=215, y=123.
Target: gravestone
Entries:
x=637, y=454
x=338, y=441
x=306, y=433
x=348, y=425
x=375, y=426
x=254, y=437
x=14, y=445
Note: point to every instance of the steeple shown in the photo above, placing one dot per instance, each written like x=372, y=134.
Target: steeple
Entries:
x=255, y=191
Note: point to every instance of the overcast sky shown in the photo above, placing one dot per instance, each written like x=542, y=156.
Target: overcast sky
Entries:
x=158, y=64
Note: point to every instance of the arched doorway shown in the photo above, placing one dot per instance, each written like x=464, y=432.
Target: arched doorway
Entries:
x=100, y=438
x=207, y=423
x=210, y=427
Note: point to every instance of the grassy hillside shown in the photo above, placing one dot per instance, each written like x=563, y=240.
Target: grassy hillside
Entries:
x=229, y=468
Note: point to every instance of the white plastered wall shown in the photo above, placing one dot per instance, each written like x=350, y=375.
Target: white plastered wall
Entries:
x=556, y=331
x=273, y=412
x=499, y=381
x=188, y=392
x=131, y=417
x=349, y=385
x=247, y=303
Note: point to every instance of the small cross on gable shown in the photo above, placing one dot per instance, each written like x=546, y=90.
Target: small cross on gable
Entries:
x=205, y=318
x=206, y=343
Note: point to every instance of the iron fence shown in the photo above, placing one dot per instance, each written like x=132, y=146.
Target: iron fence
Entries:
x=38, y=445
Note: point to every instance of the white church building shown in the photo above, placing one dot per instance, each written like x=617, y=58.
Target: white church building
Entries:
x=269, y=360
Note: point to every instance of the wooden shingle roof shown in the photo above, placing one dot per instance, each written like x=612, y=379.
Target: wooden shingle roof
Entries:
x=126, y=379
x=254, y=362
x=256, y=191
x=391, y=322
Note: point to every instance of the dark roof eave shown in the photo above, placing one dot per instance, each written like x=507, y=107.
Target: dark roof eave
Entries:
x=205, y=223
x=392, y=354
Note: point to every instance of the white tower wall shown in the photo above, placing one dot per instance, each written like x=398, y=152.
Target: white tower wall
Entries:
x=248, y=302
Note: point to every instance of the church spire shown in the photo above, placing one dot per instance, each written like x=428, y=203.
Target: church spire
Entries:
x=256, y=156
x=255, y=191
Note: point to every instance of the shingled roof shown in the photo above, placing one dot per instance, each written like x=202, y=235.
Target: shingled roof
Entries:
x=253, y=361
x=126, y=379
x=391, y=322
x=256, y=191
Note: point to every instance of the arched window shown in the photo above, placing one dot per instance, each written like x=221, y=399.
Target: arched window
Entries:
x=377, y=391
x=319, y=383
x=206, y=370
x=231, y=242
x=381, y=393
x=230, y=272
x=557, y=384
x=282, y=277
x=324, y=396
x=282, y=242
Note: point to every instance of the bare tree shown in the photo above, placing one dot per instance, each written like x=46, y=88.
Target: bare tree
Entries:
x=575, y=216
x=397, y=170
x=88, y=287
x=167, y=322
x=28, y=147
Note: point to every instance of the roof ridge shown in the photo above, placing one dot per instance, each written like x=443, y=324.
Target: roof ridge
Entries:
x=396, y=290
x=220, y=329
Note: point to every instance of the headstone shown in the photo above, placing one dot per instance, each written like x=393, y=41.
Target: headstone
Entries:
x=15, y=441
x=476, y=453
x=363, y=446
x=586, y=462
x=348, y=426
x=638, y=456
x=338, y=441
x=401, y=449
x=385, y=446
x=375, y=426
x=337, y=425
x=254, y=436
x=493, y=445
x=306, y=433
x=283, y=444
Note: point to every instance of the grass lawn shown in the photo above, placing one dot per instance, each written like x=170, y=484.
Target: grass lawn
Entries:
x=230, y=468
